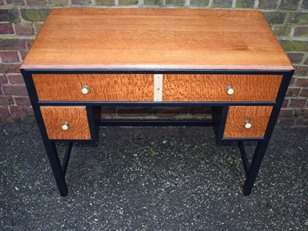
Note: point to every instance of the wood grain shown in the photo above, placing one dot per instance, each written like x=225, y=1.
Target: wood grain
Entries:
x=54, y=117
x=103, y=87
x=155, y=39
x=237, y=115
x=182, y=87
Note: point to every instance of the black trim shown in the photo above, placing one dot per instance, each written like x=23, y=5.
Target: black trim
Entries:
x=219, y=115
x=67, y=155
x=153, y=104
x=92, y=123
x=156, y=123
x=262, y=145
x=49, y=145
x=157, y=71
x=243, y=156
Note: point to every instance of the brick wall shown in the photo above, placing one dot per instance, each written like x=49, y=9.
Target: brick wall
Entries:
x=21, y=20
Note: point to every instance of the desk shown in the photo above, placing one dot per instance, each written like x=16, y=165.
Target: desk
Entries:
x=84, y=59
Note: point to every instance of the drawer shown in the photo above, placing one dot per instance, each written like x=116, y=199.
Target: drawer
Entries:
x=68, y=123
x=206, y=87
x=247, y=121
x=94, y=87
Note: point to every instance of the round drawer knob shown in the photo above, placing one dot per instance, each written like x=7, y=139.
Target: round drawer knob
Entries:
x=230, y=90
x=65, y=126
x=247, y=124
x=85, y=90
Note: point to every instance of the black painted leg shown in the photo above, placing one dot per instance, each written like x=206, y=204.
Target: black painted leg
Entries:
x=254, y=166
x=56, y=166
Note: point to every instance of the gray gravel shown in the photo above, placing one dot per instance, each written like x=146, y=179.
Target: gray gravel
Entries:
x=150, y=178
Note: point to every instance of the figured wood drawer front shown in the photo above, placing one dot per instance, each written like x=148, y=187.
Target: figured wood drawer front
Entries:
x=66, y=122
x=247, y=121
x=201, y=87
x=94, y=87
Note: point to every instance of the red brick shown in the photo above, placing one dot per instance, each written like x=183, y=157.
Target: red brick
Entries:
x=15, y=79
x=301, y=122
x=29, y=43
x=133, y=111
x=301, y=70
x=304, y=92
x=9, y=56
x=285, y=112
x=305, y=113
x=6, y=28
x=170, y=111
x=5, y=115
x=22, y=101
x=15, y=2
x=81, y=2
x=298, y=112
x=288, y=4
x=17, y=111
x=286, y=122
x=108, y=113
x=36, y=2
x=25, y=29
x=58, y=2
x=17, y=90
x=292, y=81
x=301, y=31
x=109, y=110
x=296, y=57
x=23, y=54
x=4, y=110
x=199, y=110
x=293, y=91
x=285, y=102
x=12, y=44
x=3, y=79
x=38, y=27
x=9, y=68
x=6, y=100
x=302, y=82
x=22, y=114
x=297, y=103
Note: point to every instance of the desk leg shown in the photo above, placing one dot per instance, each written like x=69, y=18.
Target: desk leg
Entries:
x=262, y=145
x=254, y=167
x=50, y=146
x=56, y=166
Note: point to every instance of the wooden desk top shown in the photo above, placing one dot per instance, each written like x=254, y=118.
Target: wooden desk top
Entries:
x=156, y=39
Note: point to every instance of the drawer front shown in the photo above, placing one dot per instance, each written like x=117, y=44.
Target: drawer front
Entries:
x=69, y=123
x=199, y=87
x=247, y=121
x=94, y=87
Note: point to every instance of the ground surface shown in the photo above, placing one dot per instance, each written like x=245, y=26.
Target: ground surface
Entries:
x=153, y=179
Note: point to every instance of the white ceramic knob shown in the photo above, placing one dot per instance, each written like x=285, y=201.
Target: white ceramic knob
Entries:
x=247, y=124
x=230, y=90
x=65, y=126
x=85, y=90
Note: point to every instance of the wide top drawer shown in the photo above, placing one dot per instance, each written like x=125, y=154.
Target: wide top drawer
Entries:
x=221, y=87
x=144, y=88
x=94, y=87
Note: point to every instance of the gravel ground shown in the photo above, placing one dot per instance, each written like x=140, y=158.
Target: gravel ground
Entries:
x=150, y=178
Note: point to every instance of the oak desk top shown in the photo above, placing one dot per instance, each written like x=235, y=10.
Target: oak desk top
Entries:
x=156, y=39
